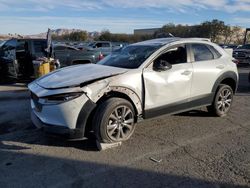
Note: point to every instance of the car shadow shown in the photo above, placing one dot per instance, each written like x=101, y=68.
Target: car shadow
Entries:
x=33, y=136
x=40, y=170
x=195, y=113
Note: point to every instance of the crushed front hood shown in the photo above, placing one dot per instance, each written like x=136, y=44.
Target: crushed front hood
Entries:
x=76, y=75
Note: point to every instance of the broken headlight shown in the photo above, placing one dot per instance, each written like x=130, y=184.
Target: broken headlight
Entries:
x=60, y=98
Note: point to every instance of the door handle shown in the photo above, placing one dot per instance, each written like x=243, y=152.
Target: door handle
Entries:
x=186, y=72
x=220, y=67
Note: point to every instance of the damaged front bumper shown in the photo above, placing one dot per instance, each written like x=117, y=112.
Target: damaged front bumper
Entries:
x=68, y=118
x=57, y=130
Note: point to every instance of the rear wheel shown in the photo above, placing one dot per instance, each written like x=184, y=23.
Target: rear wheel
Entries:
x=114, y=120
x=222, y=102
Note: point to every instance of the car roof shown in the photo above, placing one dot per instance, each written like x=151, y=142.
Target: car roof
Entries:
x=31, y=39
x=164, y=41
x=64, y=45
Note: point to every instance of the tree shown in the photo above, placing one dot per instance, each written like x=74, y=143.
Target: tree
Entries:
x=105, y=35
x=75, y=36
x=213, y=29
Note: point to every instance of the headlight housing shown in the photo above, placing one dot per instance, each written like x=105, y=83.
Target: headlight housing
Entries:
x=60, y=98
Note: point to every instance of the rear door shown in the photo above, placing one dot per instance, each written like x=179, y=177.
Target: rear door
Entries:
x=207, y=67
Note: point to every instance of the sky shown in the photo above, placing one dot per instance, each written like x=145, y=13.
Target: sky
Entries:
x=117, y=16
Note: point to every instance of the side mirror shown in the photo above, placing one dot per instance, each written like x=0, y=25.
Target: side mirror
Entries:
x=162, y=65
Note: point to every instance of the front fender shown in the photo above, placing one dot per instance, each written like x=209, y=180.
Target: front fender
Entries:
x=101, y=88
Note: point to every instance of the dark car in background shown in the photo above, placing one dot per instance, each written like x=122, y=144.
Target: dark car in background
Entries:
x=106, y=47
x=69, y=55
x=229, y=46
x=16, y=55
x=242, y=54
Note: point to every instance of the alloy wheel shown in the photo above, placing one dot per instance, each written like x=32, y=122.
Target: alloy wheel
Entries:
x=120, y=123
x=224, y=100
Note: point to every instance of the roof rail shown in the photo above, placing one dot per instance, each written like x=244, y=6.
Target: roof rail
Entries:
x=200, y=39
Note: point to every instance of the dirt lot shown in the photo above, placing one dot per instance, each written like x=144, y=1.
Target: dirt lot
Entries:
x=196, y=150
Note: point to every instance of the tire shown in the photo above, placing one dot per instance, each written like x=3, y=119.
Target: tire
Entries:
x=222, y=101
x=114, y=120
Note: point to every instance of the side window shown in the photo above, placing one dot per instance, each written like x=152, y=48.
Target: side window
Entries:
x=105, y=45
x=39, y=46
x=175, y=55
x=20, y=46
x=98, y=45
x=202, y=52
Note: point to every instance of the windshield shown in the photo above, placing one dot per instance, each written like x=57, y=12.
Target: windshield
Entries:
x=91, y=44
x=246, y=46
x=1, y=43
x=130, y=57
x=8, y=45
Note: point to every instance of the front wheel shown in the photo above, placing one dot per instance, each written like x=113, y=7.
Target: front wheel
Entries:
x=114, y=120
x=223, y=101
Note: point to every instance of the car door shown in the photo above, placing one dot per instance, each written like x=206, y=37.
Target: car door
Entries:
x=206, y=67
x=168, y=91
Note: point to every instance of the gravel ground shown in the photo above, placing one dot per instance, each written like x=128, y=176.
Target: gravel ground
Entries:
x=194, y=149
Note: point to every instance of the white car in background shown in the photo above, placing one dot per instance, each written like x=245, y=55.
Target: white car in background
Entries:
x=143, y=80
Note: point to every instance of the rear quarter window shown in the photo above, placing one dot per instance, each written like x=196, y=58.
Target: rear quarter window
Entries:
x=215, y=52
x=202, y=52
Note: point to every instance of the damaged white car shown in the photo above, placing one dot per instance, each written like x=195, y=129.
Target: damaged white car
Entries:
x=143, y=80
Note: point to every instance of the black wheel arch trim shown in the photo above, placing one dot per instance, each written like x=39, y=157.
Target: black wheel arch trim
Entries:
x=229, y=74
x=83, y=117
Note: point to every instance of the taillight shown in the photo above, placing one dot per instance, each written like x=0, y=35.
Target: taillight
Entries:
x=235, y=61
x=100, y=57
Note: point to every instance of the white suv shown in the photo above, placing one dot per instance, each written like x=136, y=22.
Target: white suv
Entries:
x=143, y=80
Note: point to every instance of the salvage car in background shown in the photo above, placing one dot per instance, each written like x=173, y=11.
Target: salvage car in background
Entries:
x=16, y=56
x=68, y=55
x=106, y=47
x=143, y=80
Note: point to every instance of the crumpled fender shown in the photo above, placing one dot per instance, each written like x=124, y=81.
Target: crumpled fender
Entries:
x=97, y=90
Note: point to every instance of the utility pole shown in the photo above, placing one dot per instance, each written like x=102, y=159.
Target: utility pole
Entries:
x=245, y=37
